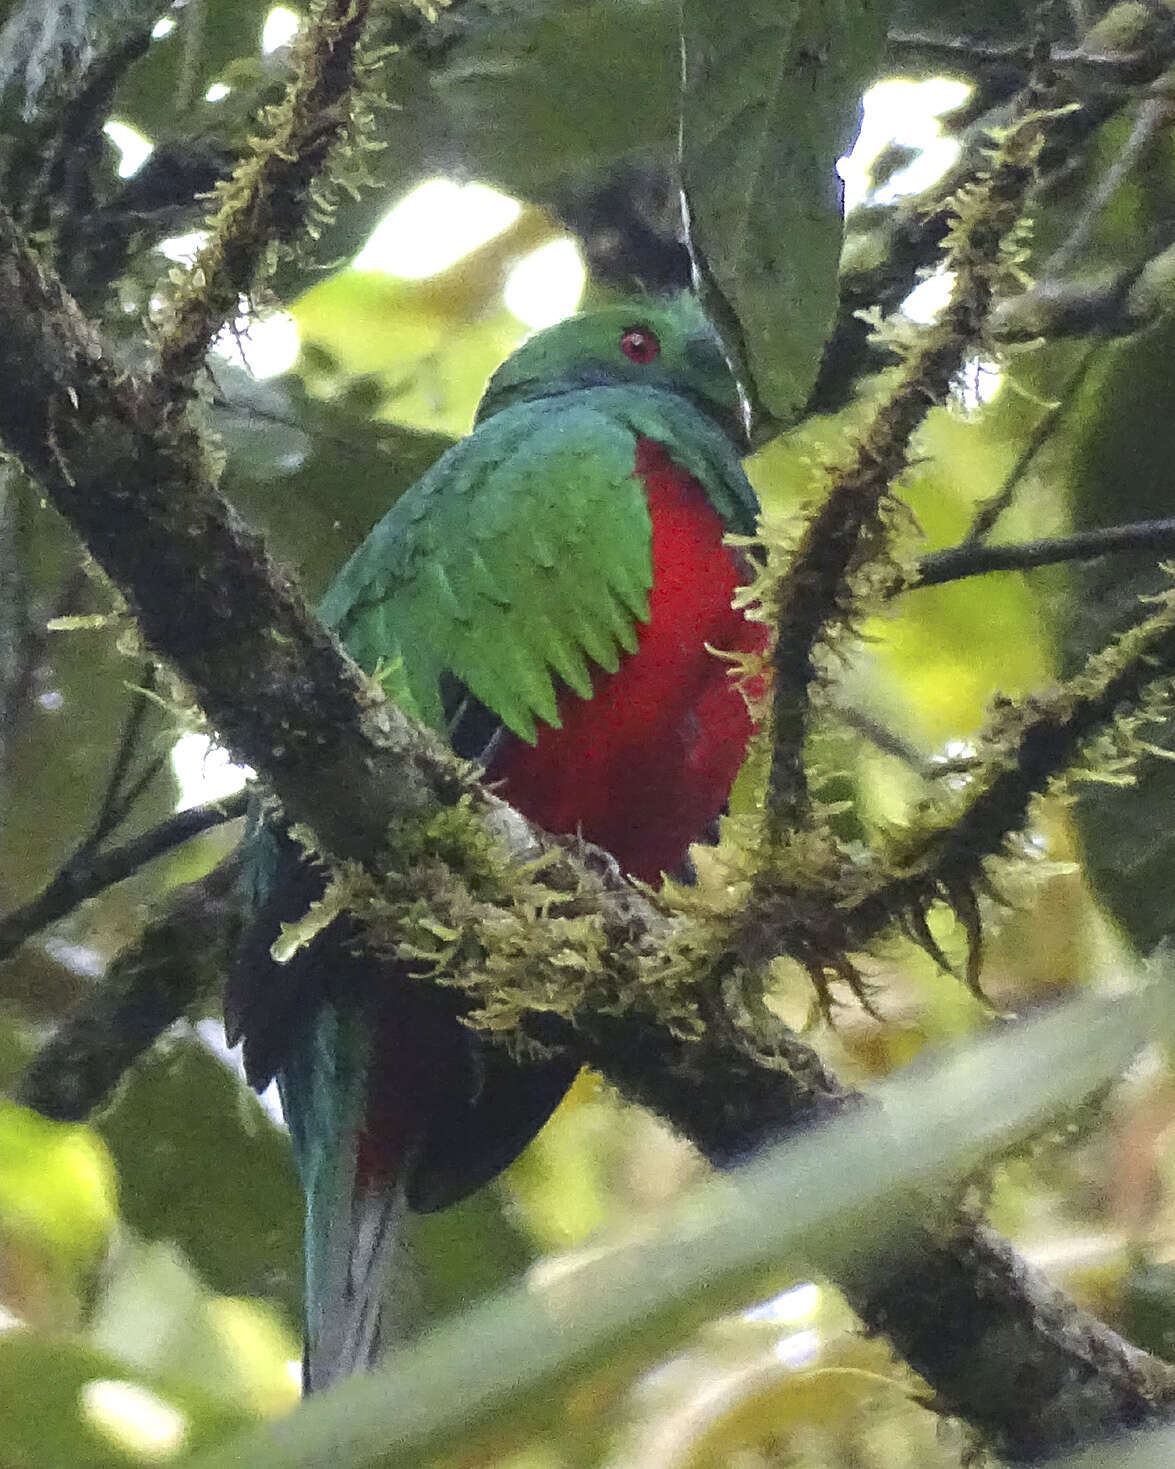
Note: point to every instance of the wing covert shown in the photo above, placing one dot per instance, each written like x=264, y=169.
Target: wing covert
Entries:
x=519, y=560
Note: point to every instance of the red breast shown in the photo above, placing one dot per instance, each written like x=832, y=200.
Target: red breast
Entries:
x=645, y=765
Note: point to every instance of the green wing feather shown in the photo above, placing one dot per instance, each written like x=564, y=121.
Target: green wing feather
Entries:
x=523, y=556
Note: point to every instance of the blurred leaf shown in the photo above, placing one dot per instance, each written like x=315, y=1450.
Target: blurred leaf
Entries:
x=599, y=1161
x=432, y=359
x=539, y=92
x=772, y=96
x=947, y=651
x=55, y=1413
x=314, y=473
x=57, y=1183
x=831, y=1196
x=200, y=1162
x=561, y=1182
x=208, y=36
x=467, y=1252
x=161, y=1319
x=750, y=1384
x=1120, y=454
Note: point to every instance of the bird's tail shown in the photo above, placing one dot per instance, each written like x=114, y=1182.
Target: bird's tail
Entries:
x=359, y=1295
x=358, y=1289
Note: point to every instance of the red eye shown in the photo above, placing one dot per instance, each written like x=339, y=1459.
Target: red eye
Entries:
x=639, y=344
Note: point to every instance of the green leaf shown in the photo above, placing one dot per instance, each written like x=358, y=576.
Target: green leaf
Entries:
x=200, y=1162
x=57, y=1211
x=463, y=1253
x=160, y=1319
x=56, y=1183
x=64, y=1404
x=541, y=93
x=771, y=98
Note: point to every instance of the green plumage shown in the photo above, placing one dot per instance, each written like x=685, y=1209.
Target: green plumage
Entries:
x=523, y=554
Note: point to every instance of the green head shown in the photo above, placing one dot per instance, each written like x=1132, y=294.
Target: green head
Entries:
x=665, y=344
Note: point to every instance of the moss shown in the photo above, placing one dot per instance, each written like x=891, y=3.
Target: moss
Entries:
x=312, y=145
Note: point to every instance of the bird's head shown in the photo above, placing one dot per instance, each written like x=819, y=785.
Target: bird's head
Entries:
x=665, y=344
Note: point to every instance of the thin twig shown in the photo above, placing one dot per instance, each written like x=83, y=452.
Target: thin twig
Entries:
x=86, y=875
x=1117, y=68
x=882, y=738
x=950, y=863
x=115, y=801
x=972, y=559
x=121, y=465
x=990, y=510
x=1154, y=116
x=135, y=788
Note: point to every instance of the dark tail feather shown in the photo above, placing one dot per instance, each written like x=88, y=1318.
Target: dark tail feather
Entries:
x=360, y=1296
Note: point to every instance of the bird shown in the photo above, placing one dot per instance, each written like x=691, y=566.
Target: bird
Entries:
x=552, y=596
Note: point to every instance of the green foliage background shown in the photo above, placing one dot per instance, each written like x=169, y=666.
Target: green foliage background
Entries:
x=159, y=1247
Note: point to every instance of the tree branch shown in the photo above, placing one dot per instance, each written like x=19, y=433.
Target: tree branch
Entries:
x=972, y=558
x=179, y=960
x=1129, y=65
x=990, y=510
x=811, y=1203
x=286, y=700
x=86, y=874
x=273, y=192
x=814, y=596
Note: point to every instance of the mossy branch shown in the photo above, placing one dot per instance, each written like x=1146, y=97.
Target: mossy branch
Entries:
x=1025, y=752
x=814, y=599
x=819, y=906
x=275, y=191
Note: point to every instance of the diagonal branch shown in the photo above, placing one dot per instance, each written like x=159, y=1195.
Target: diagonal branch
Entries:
x=119, y=460
x=972, y=558
x=88, y=873
x=815, y=595
x=271, y=198
x=139, y=493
